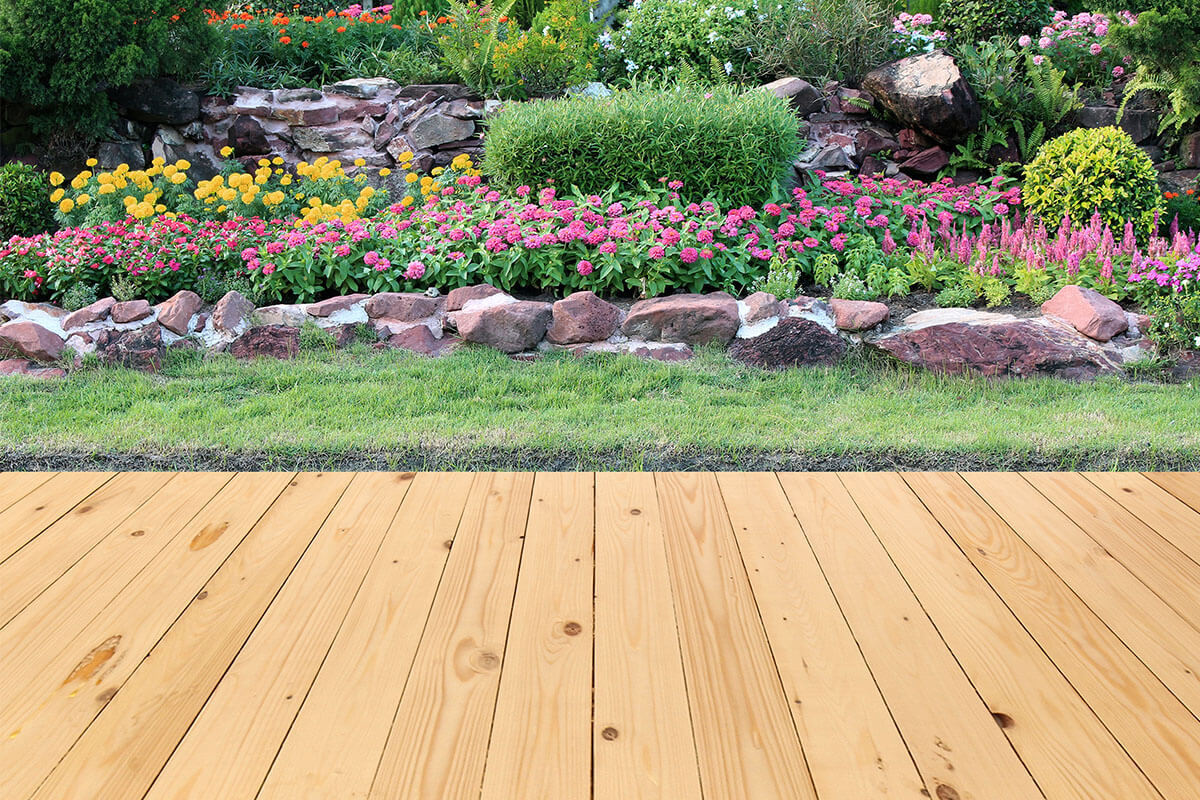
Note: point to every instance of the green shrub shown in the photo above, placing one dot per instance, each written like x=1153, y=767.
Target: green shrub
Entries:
x=57, y=56
x=1165, y=47
x=78, y=296
x=969, y=20
x=818, y=39
x=1088, y=171
x=469, y=45
x=720, y=144
x=558, y=52
x=24, y=210
x=659, y=35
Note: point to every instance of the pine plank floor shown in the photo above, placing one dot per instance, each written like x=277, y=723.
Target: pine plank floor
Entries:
x=509, y=636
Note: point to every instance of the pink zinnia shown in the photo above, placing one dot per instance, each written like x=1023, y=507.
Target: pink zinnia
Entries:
x=415, y=271
x=688, y=255
x=584, y=268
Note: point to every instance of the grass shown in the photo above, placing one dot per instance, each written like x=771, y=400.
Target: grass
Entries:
x=478, y=409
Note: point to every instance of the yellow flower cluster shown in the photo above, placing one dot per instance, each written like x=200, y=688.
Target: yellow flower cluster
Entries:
x=139, y=191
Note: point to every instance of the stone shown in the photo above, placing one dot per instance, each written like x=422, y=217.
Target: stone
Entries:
x=1189, y=151
x=655, y=351
x=291, y=315
x=1179, y=180
x=464, y=109
x=130, y=311
x=461, y=296
x=419, y=339
x=872, y=166
x=401, y=306
x=363, y=88
x=1140, y=124
x=927, y=92
x=830, y=158
x=175, y=313
x=308, y=113
x=442, y=91
x=30, y=340
x=29, y=369
x=275, y=341
x=301, y=95
x=802, y=95
x=161, y=101
x=759, y=307
x=97, y=311
x=327, y=308
x=331, y=139
x=110, y=155
x=960, y=340
x=140, y=349
x=510, y=327
x=16, y=309
x=231, y=312
x=582, y=317
x=247, y=137
x=925, y=164
x=858, y=315
x=689, y=318
x=855, y=101
x=794, y=342
x=1088, y=311
x=436, y=129
x=869, y=142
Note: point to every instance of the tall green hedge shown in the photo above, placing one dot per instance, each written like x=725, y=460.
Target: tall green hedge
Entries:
x=720, y=143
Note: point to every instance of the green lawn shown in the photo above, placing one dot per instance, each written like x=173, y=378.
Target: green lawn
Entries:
x=478, y=409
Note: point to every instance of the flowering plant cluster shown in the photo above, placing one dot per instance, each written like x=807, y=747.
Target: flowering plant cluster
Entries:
x=660, y=35
x=916, y=33
x=1078, y=46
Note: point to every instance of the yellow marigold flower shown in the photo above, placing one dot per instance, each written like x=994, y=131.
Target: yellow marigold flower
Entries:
x=57, y=195
x=263, y=162
x=129, y=200
x=407, y=155
x=56, y=178
x=226, y=151
x=321, y=161
x=105, y=178
x=83, y=199
x=261, y=179
x=383, y=173
x=178, y=178
x=160, y=208
x=91, y=162
x=406, y=202
x=169, y=170
x=411, y=177
x=360, y=162
x=78, y=182
x=277, y=160
x=107, y=188
x=228, y=193
x=248, y=197
x=286, y=180
x=183, y=164
x=314, y=201
x=67, y=206
x=437, y=171
x=158, y=162
x=220, y=209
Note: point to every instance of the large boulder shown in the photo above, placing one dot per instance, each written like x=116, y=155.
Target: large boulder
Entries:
x=928, y=92
x=961, y=340
x=436, y=128
x=1088, y=311
x=331, y=306
x=275, y=341
x=401, y=306
x=422, y=341
x=792, y=342
x=247, y=136
x=802, y=95
x=130, y=311
x=30, y=340
x=583, y=317
x=464, y=294
x=97, y=311
x=175, y=313
x=142, y=348
x=858, y=315
x=160, y=101
x=689, y=318
x=231, y=312
x=512, y=327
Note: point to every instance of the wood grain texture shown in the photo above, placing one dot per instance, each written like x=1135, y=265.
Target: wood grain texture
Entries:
x=836, y=705
x=33, y=512
x=335, y=744
x=15, y=485
x=956, y=744
x=50, y=697
x=1185, y=486
x=439, y=739
x=643, y=748
x=122, y=752
x=541, y=740
x=1170, y=511
x=746, y=743
x=1060, y=740
x=1150, y=723
x=229, y=748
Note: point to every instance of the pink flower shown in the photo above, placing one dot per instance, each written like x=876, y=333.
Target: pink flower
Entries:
x=688, y=255
x=415, y=271
x=1024, y=41
x=371, y=258
x=584, y=268
x=1118, y=71
x=1095, y=49
x=523, y=191
x=657, y=251
x=1044, y=42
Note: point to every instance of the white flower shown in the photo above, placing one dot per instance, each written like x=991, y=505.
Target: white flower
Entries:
x=728, y=68
x=713, y=36
x=630, y=66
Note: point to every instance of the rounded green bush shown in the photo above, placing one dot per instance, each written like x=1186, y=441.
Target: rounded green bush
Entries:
x=1093, y=170
x=25, y=208
x=972, y=20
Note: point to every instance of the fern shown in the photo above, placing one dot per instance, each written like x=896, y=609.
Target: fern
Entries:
x=1028, y=144
x=1050, y=98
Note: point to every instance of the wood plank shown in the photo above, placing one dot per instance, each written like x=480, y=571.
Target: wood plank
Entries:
x=16, y=485
x=48, y=698
x=951, y=734
x=122, y=751
x=746, y=743
x=439, y=738
x=1159, y=564
x=46, y=558
x=1167, y=643
x=1185, y=486
x=541, y=741
x=1170, y=515
x=38, y=510
x=850, y=741
x=229, y=748
x=338, y=738
x=1062, y=743
x=643, y=748
x=1151, y=724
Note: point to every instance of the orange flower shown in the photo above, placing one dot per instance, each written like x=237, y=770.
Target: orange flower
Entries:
x=285, y=40
x=441, y=20
x=341, y=29
x=504, y=18
x=304, y=44
x=423, y=14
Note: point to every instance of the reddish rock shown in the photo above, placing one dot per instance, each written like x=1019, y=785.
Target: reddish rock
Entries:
x=510, y=328
x=583, y=317
x=858, y=315
x=689, y=318
x=925, y=164
x=175, y=313
x=1088, y=311
x=802, y=95
x=137, y=349
x=19, y=366
x=419, y=339
x=275, y=341
x=30, y=340
x=761, y=306
x=927, y=92
x=957, y=340
x=465, y=294
x=94, y=313
x=870, y=141
x=794, y=342
x=129, y=311
x=326, y=308
x=231, y=311
x=247, y=136
x=1189, y=151
x=401, y=306
x=436, y=129
x=308, y=112
x=655, y=351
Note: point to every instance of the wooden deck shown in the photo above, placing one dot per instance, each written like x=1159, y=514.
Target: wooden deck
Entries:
x=560, y=636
